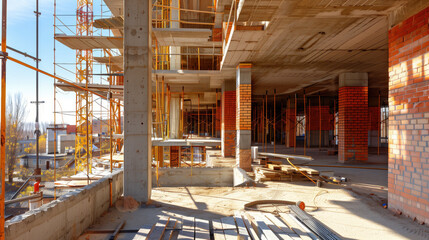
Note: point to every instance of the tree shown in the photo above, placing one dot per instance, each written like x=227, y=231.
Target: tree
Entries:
x=16, y=112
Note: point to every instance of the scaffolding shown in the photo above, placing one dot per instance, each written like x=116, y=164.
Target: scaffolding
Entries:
x=84, y=70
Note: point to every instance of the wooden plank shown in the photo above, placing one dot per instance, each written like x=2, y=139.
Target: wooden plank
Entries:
x=188, y=229
x=144, y=232
x=172, y=224
x=242, y=230
x=249, y=227
x=264, y=229
x=202, y=229
x=229, y=228
x=274, y=167
x=257, y=230
x=160, y=226
x=282, y=226
x=303, y=234
x=218, y=230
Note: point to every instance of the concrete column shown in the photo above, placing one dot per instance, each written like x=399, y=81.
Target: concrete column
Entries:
x=353, y=117
x=244, y=116
x=174, y=118
x=137, y=99
x=175, y=15
x=228, y=134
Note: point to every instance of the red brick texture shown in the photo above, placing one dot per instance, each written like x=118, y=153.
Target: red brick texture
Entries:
x=174, y=156
x=374, y=115
x=314, y=116
x=228, y=123
x=353, y=124
x=243, y=123
x=290, y=127
x=244, y=110
x=409, y=117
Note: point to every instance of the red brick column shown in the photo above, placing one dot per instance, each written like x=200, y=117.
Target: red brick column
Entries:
x=244, y=116
x=174, y=156
x=314, y=115
x=374, y=115
x=353, y=117
x=228, y=133
x=290, y=127
x=409, y=117
x=218, y=122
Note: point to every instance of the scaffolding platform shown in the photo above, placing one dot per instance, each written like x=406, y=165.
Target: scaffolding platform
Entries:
x=90, y=42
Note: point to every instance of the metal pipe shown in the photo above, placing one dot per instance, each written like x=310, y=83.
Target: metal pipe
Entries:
x=266, y=121
x=55, y=103
x=378, y=123
x=320, y=124
x=290, y=156
x=37, y=195
x=305, y=126
x=55, y=77
x=3, y=119
x=274, y=128
x=37, y=170
x=294, y=134
x=198, y=124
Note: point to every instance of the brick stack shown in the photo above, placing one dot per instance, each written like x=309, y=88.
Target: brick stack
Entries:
x=409, y=117
x=353, y=123
x=228, y=123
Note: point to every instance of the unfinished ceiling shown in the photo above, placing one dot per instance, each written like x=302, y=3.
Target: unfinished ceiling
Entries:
x=302, y=43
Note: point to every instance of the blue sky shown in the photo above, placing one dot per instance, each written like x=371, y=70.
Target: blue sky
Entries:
x=21, y=33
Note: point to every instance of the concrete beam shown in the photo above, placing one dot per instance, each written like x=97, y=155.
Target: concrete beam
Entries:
x=137, y=99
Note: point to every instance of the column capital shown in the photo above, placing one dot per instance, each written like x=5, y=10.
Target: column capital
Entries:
x=355, y=79
x=244, y=65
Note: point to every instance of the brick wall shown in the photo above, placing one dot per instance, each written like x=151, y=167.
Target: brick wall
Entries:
x=244, y=101
x=228, y=123
x=290, y=127
x=174, y=156
x=314, y=115
x=353, y=124
x=218, y=118
x=409, y=117
x=243, y=123
x=374, y=118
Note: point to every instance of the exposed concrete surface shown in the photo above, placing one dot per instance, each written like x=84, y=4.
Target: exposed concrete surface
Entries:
x=137, y=99
x=198, y=176
x=241, y=179
x=354, y=214
x=341, y=210
x=68, y=216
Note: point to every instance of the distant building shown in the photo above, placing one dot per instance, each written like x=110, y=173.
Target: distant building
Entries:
x=65, y=135
x=45, y=160
x=26, y=143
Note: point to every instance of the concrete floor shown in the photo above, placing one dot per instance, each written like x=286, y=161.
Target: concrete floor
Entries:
x=354, y=211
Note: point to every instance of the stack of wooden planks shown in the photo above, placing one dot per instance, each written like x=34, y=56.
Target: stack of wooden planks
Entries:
x=244, y=225
x=275, y=171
